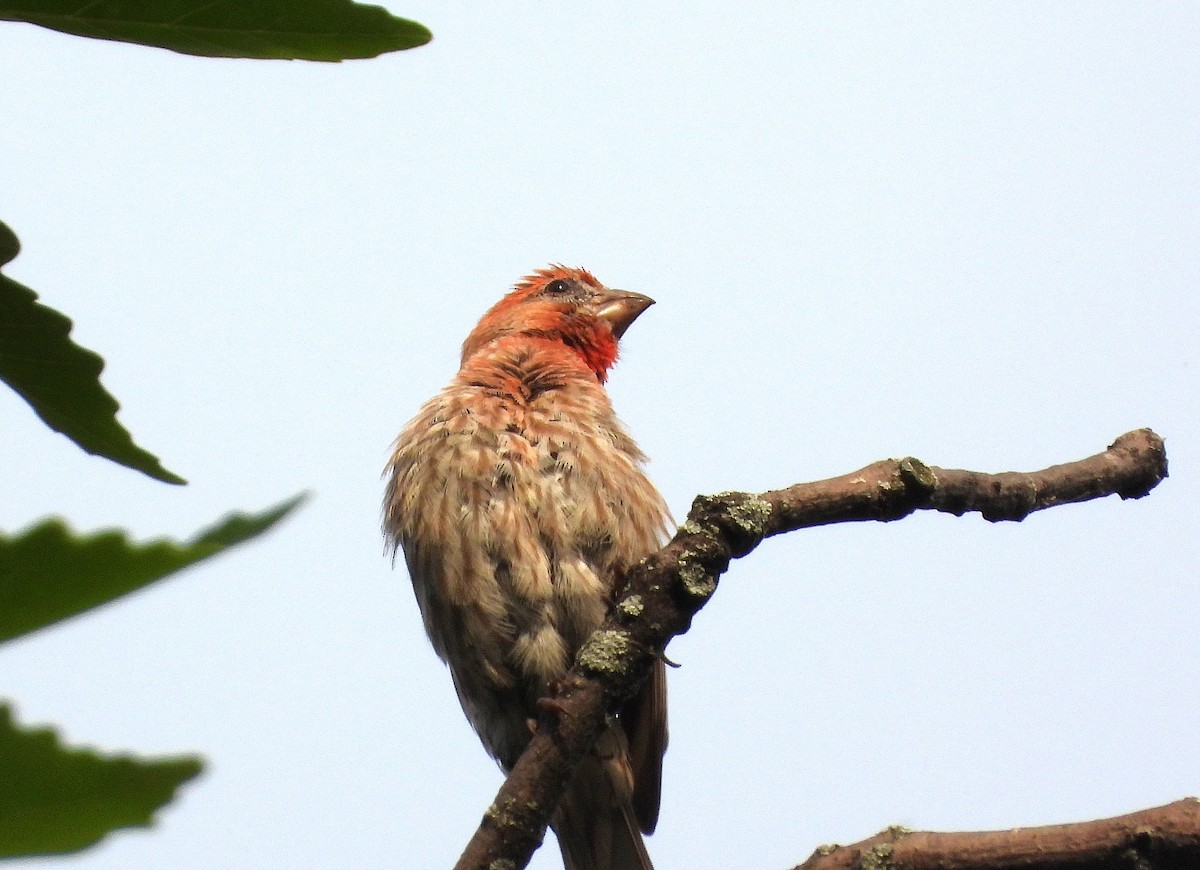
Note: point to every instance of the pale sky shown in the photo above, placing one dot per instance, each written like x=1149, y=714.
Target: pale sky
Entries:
x=964, y=232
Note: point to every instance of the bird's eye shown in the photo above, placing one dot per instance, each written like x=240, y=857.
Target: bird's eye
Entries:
x=558, y=287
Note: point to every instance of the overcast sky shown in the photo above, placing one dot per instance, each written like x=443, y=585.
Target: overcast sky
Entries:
x=966, y=232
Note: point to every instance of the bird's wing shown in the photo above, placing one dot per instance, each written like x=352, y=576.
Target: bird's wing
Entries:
x=644, y=718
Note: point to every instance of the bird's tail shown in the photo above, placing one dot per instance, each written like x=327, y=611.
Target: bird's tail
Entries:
x=595, y=823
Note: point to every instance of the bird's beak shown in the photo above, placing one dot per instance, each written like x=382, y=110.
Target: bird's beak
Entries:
x=619, y=308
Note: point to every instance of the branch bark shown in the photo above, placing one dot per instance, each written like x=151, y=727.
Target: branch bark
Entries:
x=665, y=590
x=1163, y=838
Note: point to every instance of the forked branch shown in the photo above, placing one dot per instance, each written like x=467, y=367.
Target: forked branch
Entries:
x=664, y=592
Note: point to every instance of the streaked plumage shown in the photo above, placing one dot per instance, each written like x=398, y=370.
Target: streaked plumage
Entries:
x=517, y=497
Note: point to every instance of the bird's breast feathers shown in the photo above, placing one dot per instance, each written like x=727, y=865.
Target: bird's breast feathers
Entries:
x=529, y=505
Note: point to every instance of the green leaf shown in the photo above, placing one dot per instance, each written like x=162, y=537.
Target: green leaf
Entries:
x=55, y=799
x=48, y=573
x=60, y=379
x=281, y=29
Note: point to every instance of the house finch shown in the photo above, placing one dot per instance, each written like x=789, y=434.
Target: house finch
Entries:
x=518, y=499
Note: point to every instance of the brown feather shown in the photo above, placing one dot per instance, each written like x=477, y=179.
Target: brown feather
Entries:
x=645, y=721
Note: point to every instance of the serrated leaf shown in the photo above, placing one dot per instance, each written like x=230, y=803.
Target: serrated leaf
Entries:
x=58, y=378
x=49, y=573
x=56, y=799
x=328, y=30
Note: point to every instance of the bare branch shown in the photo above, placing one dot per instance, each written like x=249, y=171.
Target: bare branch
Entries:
x=889, y=490
x=1163, y=838
x=664, y=592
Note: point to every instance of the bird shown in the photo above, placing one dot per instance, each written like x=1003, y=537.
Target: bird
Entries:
x=518, y=500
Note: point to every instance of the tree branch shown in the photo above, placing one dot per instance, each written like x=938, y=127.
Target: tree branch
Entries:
x=1163, y=838
x=665, y=590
